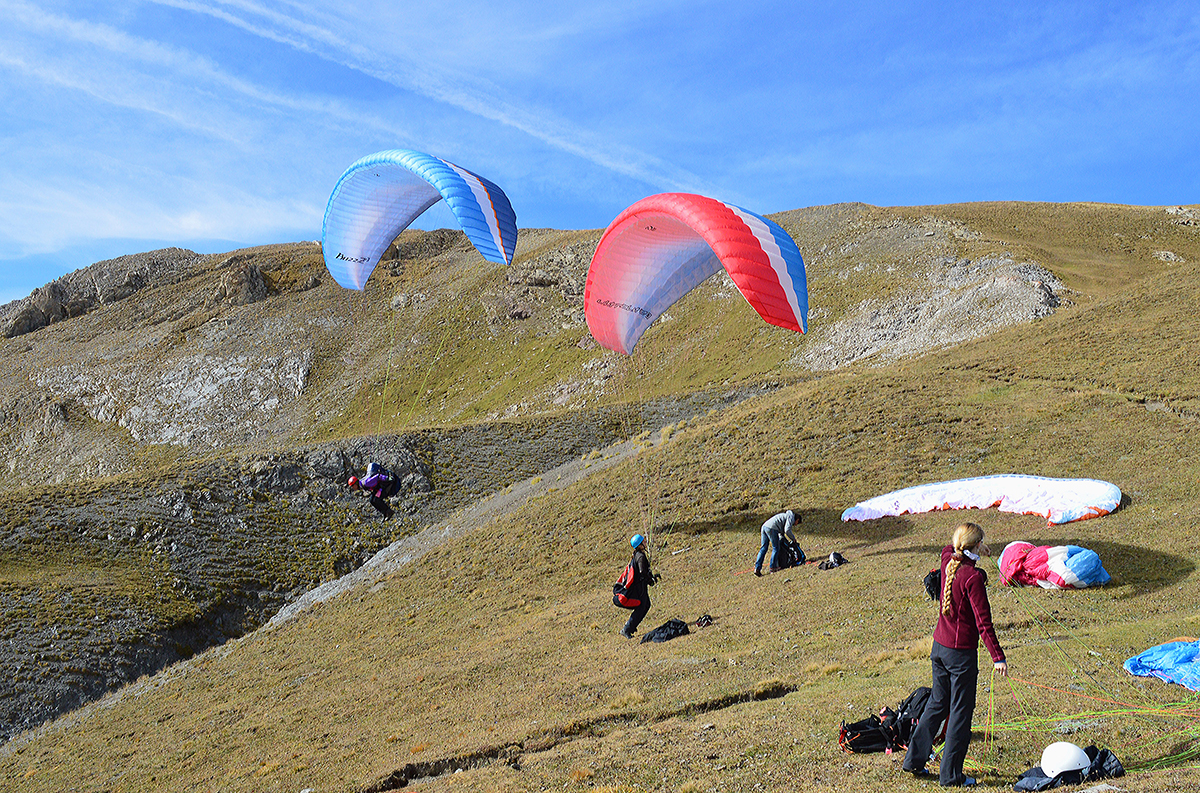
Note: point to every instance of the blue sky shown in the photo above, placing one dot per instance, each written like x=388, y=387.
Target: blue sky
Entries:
x=216, y=124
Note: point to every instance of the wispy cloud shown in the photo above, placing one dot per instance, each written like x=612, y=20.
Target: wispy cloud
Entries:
x=471, y=94
x=130, y=75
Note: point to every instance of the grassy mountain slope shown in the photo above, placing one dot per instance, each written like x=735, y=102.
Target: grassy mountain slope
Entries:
x=498, y=652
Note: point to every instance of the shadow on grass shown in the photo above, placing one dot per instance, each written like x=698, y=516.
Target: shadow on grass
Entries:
x=1142, y=570
x=818, y=522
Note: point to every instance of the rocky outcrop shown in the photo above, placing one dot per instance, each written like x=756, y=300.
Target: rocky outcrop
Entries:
x=213, y=400
x=102, y=283
x=953, y=301
x=554, y=277
x=1184, y=216
x=242, y=282
x=564, y=268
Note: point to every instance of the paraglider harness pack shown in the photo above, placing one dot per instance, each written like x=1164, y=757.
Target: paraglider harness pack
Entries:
x=390, y=483
x=1103, y=764
x=667, y=631
x=890, y=730
x=789, y=555
x=835, y=560
x=621, y=597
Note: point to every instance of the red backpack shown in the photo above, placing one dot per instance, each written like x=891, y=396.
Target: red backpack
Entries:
x=621, y=597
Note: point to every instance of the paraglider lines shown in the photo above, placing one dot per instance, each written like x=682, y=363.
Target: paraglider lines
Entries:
x=1151, y=713
x=388, y=374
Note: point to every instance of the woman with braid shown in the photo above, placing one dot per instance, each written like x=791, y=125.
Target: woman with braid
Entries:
x=965, y=617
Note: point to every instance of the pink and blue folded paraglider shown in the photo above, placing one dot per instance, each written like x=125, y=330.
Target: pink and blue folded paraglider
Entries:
x=1051, y=566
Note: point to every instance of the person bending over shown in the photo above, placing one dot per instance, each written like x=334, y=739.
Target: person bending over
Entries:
x=774, y=532
x=380, y=484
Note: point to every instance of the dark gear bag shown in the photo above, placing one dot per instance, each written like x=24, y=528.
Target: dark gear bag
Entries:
x=835, y=560
x=621, y=597
x=908, y=713
x=789, y=555
x=872, y=734
x=668, y=630
x=891, y=729
x=1105, y=765
x=933, y=584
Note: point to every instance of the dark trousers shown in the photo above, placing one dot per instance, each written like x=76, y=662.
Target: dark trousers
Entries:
x=384, y=508
x=955, y=677
x=637, y=615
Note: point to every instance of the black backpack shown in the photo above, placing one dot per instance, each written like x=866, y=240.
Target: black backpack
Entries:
x=909, y=712
x=933, y=584
x=667, y=631
x=872, y=734
x=891, y=729
x=789, y=555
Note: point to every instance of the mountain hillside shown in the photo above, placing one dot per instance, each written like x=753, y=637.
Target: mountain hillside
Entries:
x=175, y=447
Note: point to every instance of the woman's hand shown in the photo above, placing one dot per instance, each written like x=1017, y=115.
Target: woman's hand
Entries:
x=1001, y=668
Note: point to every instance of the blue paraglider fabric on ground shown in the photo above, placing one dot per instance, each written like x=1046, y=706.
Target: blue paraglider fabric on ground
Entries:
x=1174, y=662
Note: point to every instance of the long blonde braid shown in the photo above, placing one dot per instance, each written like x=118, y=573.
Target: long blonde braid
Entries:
x=967, y=535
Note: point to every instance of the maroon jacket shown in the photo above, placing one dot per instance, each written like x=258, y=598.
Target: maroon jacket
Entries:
x=970, y=614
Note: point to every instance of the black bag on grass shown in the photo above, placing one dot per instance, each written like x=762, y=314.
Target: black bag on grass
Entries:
x=668, y=630
x=835, y=560
x=872, y=734
x=909, y=712
x=891, y=729
x=789, y=555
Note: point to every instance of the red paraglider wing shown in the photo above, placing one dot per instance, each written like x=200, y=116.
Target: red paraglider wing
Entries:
x=665, y=245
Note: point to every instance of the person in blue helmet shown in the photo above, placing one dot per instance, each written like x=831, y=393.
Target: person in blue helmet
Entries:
x=643, y=578
x=776, y=531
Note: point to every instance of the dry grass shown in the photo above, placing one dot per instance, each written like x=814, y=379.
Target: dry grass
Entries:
x=507, y=638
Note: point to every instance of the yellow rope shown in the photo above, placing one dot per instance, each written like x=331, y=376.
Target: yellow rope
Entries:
x=388, y=374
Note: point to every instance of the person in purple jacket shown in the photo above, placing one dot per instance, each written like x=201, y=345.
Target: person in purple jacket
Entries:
x=380, y=483
x=965, y=617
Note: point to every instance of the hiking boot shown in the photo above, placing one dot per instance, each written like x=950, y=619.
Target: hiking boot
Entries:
x=758, y=573
x=628, y=634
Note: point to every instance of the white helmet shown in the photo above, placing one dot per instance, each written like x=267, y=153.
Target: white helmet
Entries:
x=1064, y=756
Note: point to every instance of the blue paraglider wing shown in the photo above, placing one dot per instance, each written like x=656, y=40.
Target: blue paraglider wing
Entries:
x=381, y=194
